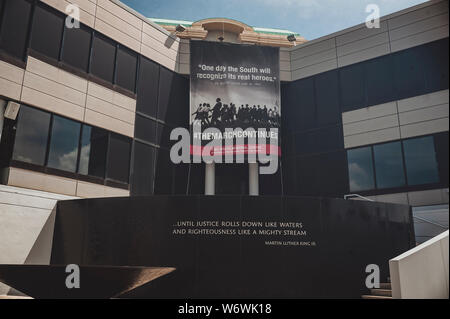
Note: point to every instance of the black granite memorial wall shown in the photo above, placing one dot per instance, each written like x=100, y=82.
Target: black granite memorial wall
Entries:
x=236, y=246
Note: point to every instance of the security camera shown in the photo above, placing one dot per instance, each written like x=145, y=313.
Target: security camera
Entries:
x=180, y=28
x=291, y=38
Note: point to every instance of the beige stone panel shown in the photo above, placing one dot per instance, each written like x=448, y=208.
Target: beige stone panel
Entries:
x=117, y=35
x=186, y=59
x=362, y=33
x=185, y=47
x=285, y=55
x=120, y=12
x=158, y=57
x=42, y=182
x=111, y=96
x=426, y=114
x=124, y=101
x=52, y=104
x=422, y=101
x=314, y=69
x=285, y=76
x=374, y=137
x=419, y=27
x=371, y=112
x=100, y=92
x=363, y=44
x=109, y=123
x=312, y=48
x=60, y=185
x=314, y=59
x=11, y=72
x=116, y=192
x=424, y=128
x=163, y=37
x=420, y=38
x=10, y=89
x=26, y=179
x=55, y=74
x=90, y=190
x=119, y=24
x=371, y=125
x=186, y=69
x=285, y=66
x=54, y=89
x=61, y=5
x=86, y=5
x=159, y=46
x=109, y=109
x=417, y=15
x=364, y=55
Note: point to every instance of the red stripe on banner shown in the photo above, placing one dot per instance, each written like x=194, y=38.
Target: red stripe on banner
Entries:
x=251, y=149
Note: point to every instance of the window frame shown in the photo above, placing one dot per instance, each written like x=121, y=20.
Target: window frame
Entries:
x=36, y=53
x=74, y=175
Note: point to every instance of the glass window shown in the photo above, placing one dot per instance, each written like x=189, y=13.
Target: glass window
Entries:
x=118, y=158
x=166, y=79
x=103, y=57
x=14, y=27
x=437, y=65
x=420, y=159
x=360, y=169
x=145, y=129
x=147, y=88
x=327, y=98
x=77, y=43
x=63, y=153
x=47, y=32
x=380, y=80
x=126, y=69
x=143, y=169
x=94, y=147
x=31, y=136
x=163, y=135
x=409, y=73
x=304, y=105
x=389, y=165
x=352, y=87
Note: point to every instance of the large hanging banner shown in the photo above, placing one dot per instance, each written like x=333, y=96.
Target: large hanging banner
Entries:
x=235, y=99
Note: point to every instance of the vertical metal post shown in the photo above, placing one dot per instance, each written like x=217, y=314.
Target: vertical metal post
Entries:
x=210, y=178
x=253, y=179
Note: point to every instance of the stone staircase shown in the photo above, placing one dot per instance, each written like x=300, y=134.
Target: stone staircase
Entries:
x=384, y=292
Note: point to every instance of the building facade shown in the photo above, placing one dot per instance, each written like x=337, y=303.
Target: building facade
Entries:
x=364, y=111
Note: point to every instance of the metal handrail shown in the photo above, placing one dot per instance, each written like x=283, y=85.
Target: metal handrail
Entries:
x=430, y=222
x=359, y=196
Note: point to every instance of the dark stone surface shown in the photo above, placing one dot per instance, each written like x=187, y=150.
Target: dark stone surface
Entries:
x=138, y=231
x=96, y=282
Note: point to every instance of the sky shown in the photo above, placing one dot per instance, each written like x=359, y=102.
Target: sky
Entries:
x=310, y=18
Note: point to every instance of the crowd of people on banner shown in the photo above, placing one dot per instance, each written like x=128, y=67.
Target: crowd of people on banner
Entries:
x=228, y=115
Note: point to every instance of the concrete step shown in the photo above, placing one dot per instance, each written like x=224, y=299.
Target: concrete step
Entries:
x=381, y=292
x=385, y=286
x=375, y=297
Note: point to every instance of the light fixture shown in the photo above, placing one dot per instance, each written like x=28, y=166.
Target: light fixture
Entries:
x=11, y=111
x=180, y=28
x=291, y=38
